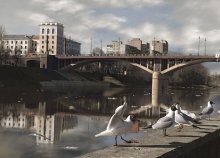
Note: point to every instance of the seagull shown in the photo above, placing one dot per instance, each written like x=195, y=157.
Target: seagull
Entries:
x=208, y=110
x=166, y=121
x=117, y=126
x=183, y=119
x=190, y=114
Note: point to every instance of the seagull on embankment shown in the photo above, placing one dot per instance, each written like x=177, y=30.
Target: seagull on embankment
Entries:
x=117, y=126
x=208, y=110
x=183, y=119
x=165, y=122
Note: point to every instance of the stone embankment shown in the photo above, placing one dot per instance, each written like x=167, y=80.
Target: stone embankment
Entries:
x=202, y=142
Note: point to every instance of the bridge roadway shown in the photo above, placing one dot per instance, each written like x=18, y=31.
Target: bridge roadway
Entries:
x=189, y=143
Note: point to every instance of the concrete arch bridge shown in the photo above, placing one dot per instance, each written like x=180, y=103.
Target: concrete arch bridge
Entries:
x=157, y=66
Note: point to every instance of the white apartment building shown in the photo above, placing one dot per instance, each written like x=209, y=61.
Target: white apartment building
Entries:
x=51, y=38
x=17, y=44
x=115, y=48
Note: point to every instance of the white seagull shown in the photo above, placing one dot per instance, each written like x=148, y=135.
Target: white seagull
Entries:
x=166, y=121
x=117, y=126
x=183, y=119
x=208, y=110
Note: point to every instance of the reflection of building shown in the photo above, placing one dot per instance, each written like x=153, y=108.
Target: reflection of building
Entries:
x=51, y=126
x=47, y=128
x=14, y=122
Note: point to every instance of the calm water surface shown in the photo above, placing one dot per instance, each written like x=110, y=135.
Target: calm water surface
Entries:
x=64, y=124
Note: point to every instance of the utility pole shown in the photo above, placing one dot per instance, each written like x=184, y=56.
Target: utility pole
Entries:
x=91, y=46
x=101, y=48
x=205, y=46
x=119, y=45
x=198, y=45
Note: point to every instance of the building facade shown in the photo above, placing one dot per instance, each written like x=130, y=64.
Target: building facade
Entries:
x=159, y=47
x=51, y=38
x=17, y=44
x=71, y=47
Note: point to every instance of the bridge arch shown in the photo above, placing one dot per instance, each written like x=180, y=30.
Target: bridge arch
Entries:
x=85, y=62
x=185, y=64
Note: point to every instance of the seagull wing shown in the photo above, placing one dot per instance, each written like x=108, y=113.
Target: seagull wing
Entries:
x=121, y=109
x=114, y=122
x=207, y=110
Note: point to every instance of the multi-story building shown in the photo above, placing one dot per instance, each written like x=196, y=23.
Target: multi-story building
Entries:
x=51, y=39
x=142, y=47
x=159, y=47
x=35, y=48
x=17, y=44
x=115, y=48
x=71, y=47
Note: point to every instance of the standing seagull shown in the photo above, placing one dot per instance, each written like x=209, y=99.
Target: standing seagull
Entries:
x=166, y=121
x=117, y=126
x=208, y=110
x=183, y=119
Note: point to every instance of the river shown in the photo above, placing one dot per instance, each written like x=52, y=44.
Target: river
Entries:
x=54, y=125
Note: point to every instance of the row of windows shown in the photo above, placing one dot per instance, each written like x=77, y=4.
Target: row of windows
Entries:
x=18, y=119
x=48, y=42
x=48, y=31
x=13, y=125
x=48, y=37
x=16, y=42
x=21, y=47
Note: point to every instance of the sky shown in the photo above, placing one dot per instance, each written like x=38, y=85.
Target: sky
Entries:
x=180, y=22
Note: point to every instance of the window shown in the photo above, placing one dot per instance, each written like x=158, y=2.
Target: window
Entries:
x=25, y=47
x=11, y=42
x=25, y=42
x=52, y=31
x=52, y=37
x=52, y=42
x=16, y=42
x=42, y=31
x=42, y=47
x=48, y=31
x=21, y=42
x=42, y=42
x=42, y=37
x=52, y=47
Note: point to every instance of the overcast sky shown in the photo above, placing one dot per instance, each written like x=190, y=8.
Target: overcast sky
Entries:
x=180, y=22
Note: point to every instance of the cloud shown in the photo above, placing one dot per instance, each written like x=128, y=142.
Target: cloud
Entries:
x=34, y=18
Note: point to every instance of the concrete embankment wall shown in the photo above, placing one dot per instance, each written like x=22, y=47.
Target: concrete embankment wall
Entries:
x=202, y=142
x=204, y=147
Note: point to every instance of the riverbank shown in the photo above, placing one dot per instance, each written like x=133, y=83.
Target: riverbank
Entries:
x=190, y=142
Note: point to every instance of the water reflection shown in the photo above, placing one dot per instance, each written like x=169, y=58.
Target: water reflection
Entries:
x=65, y=126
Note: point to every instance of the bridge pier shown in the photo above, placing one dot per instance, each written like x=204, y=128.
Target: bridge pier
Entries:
x=156, y=90
x=159, y=87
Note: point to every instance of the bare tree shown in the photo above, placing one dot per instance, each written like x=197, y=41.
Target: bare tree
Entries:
x=4, y=54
